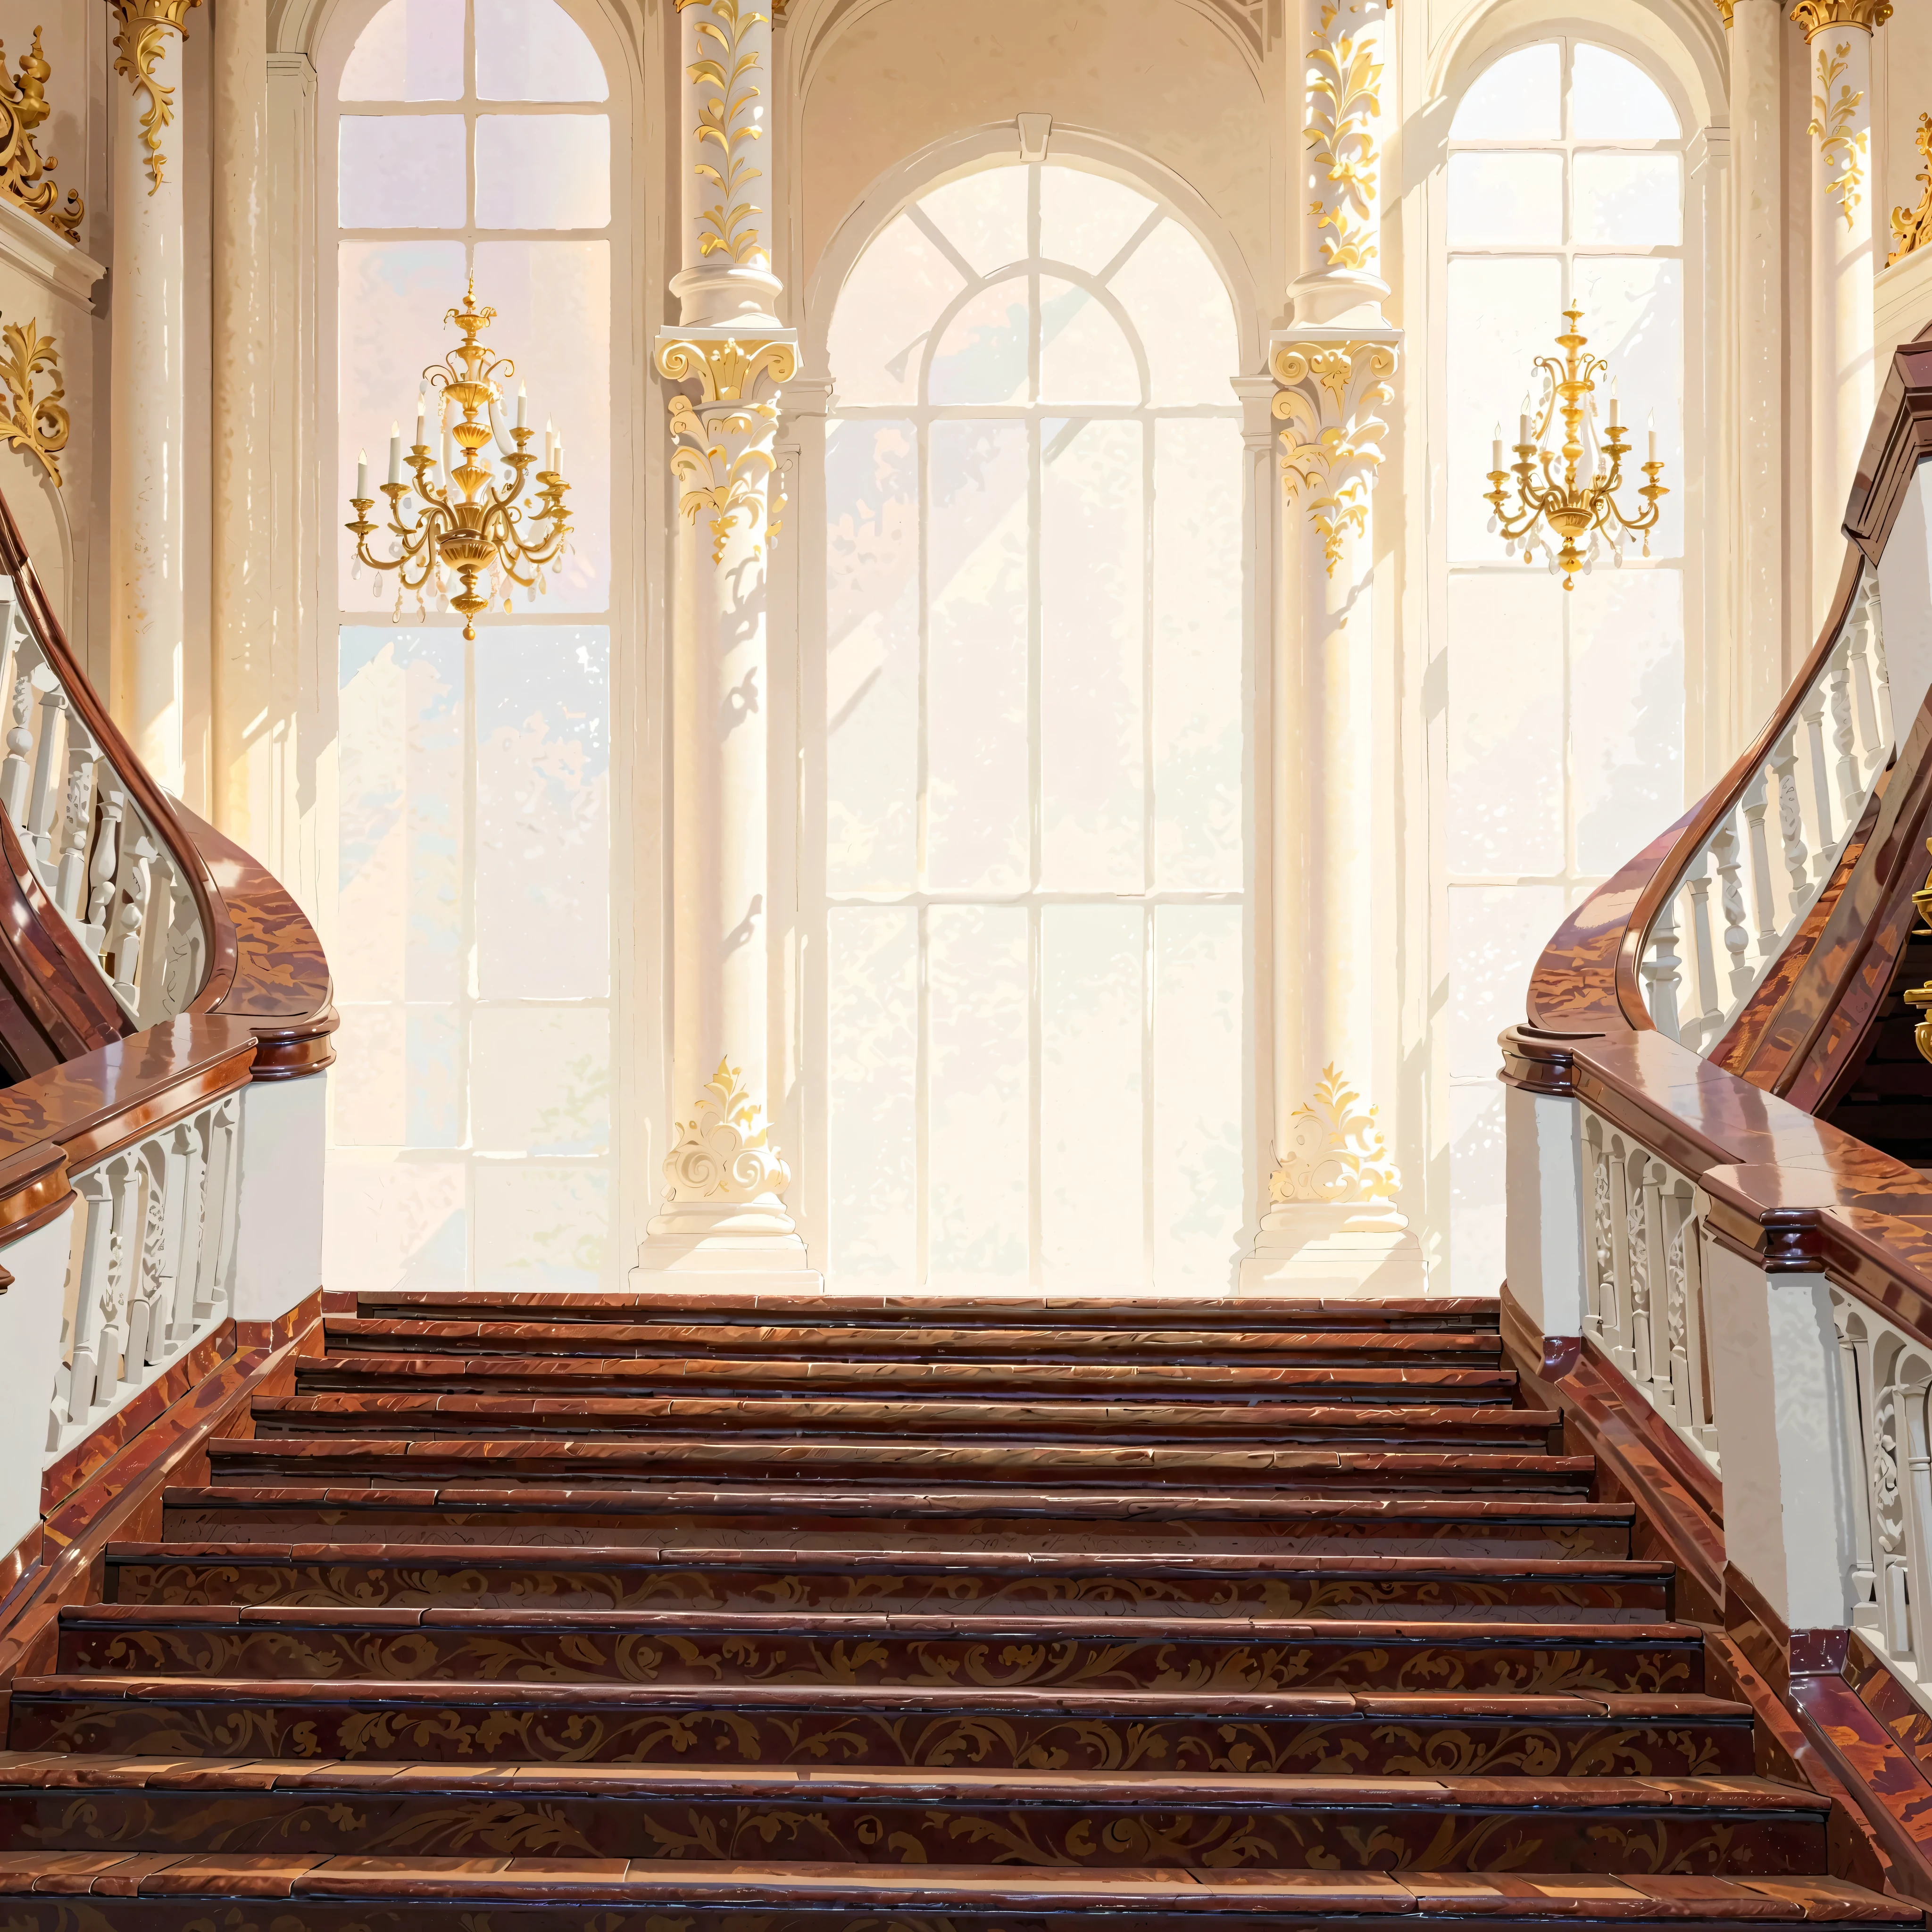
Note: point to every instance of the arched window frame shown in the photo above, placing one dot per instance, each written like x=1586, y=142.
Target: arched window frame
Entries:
x=799, y=596
x=327, y=31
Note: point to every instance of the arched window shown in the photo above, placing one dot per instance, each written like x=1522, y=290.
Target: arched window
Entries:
x=472, y=1130
x=1035, y=815
x=1565, y=726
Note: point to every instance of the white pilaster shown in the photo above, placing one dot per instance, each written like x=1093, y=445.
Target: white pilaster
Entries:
x=724, y=1214
x=148, y=427
x=1838, y=55
x=1331, y=1225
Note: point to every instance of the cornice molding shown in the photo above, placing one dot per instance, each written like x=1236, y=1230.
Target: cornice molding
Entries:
x=59, y=265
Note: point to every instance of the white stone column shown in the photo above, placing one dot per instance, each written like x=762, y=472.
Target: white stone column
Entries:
x=1331, y=1225
x=1838, y=56
x=1758, y=35
x=243, y=707
x=148, y=393
x=723, y=1214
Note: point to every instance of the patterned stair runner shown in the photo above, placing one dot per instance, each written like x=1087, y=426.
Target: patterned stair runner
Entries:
x=619, y=1615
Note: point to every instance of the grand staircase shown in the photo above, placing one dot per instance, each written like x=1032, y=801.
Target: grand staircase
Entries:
x=597, y=1612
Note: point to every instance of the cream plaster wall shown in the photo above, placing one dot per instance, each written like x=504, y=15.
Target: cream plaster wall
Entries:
x=1170, y=80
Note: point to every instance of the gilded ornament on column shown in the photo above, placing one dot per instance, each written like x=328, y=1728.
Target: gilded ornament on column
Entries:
x=727, y=116
x=1912, y=227
x=36, y=424
x=22, y=172
x=1724, y=7
x=722, y=1154
x=1332, y=445
x=1344, y=102
x=722, y=452
x=1832, y=118
x=1820, y=17
x=144, y=23
x=1337, y=1153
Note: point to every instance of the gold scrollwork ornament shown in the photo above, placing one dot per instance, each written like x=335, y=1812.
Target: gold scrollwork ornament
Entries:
x=1337, y=1152
x=1912, y=227
x=1821, y=17
x=727, y=115
x=722, y=456
x=22, y=173
x=36, y=424
x=1344, y=81
x=1331, y=446
x=1842, y=151
x=144, y=25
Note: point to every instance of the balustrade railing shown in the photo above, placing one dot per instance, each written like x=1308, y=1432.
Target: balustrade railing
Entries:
x=1701, y=961
x=1644, y=1279
x=148, y=1264
x=113, y=878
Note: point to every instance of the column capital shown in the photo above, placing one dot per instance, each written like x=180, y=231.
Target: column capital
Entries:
x=727, y=365
x=1824, y=16
x=160, y=12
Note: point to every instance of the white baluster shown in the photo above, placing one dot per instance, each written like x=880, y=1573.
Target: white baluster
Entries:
x=1764, y=886
x=76, y=824
x=1697, y=880
x=1872, y=753
x=180, y=972
x=1791, y=825
x=124, y=1176
x=105, y=862
x=1844, y=743
x=137, y=859
x=1661, y=970
x=187, y=1173
x=1617, y=1342
x=1812, y=712
x=43, y=796
x=1881, y=681
x=212, y=1289
x=16, y=772
x=1731, y=892
x=96, y=1339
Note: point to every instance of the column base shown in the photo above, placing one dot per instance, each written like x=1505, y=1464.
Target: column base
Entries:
x=1314, y=1248
x=728, y=1245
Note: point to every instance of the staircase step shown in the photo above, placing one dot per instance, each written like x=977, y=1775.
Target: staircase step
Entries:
x=1423, y=1424
x=144, y=1892
x=1264, y=1314
x=1092, y=1519
x=1475, y=1590
x=771, y=1816
x=919, y=1457
x=707, y=1649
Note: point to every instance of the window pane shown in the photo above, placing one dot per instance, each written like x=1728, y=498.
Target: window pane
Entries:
x=1093, y=972
x=412, y=50
x=1503, y=313
x=533, y=50
x=1633, y=313
x=396, y=1082
x=553, y=305
x=1515, y=99
x=1496, y=934
x=543, y=840
x=543, y=171
x=1612, y=99
x=1179, y=307
x=400, y=774
x=1476, y=1184
x=981, y=358
x=401, y=1224
x=1197, y=737
x=541, y=1079
x=392, y=297
x=872, y=655
x=889, y=301
x=980, y=1138
x=1086, y=219
x=1627, y=699
x=1505, y=724
x=401, y=171
x=976, y=709
x=1504, y=199
x=1198, y=1157
x=1093, y=592
x=983, y=216
x=1083, y=355
x=1635, y=201
x=542, y=1230
x=872, y=1057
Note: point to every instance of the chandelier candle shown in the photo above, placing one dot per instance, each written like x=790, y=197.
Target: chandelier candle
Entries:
x=467, y=522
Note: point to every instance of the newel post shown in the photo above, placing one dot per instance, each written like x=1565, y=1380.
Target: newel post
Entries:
x=1549, y=1203
x=723, y=1213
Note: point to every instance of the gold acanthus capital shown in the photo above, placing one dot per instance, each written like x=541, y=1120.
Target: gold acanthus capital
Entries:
x=1329, y=401
x=22, y=172
x=725, y=369
x=721, y=453
x=1823, y=16
x=1344, y=106
x=1336, y=1153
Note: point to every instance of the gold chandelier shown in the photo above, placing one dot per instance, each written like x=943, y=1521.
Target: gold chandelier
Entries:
x=1570, y=487
x=470, y=521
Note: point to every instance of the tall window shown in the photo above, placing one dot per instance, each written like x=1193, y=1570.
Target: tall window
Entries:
x=1566, y=709
x=472, y=1137
x=1034, y=905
